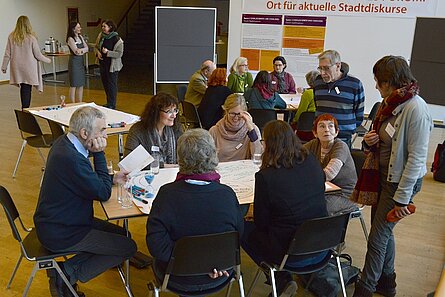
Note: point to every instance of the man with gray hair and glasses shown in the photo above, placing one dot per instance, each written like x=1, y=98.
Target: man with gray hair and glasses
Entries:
x=338, y=93
x=64, y=216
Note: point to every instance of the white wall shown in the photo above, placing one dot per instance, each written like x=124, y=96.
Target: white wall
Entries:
x=49, y=18
x=361, y=41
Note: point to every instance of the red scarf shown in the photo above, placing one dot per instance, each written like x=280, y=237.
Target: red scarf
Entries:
x=265, y=91
x=208, y=176
x=366, y=190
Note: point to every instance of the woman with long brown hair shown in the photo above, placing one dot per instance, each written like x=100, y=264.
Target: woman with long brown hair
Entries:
x=289, y=190
x=76, y=66
x=23, y=53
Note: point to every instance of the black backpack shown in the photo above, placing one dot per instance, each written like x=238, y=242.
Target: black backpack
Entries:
x=438, y=166
x=326, y=282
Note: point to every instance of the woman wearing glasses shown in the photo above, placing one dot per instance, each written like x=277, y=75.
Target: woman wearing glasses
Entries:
x=158, y=128
x=236, y=136
x=240, y=78
x=282, y=81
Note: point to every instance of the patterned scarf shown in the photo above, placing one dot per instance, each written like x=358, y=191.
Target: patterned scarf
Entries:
x=167, y=145
x=232, y=131
x=366, y=190
x=281, y=82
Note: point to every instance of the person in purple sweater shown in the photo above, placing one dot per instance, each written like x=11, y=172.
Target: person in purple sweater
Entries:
x=64, y=218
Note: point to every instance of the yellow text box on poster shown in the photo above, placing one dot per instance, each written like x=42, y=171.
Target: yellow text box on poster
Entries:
x=253, y=57
x=303, y=43
x=304, y=32
x=266, y=58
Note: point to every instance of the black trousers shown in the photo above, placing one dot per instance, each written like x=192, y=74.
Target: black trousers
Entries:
x=25, y=95
x=109, y=81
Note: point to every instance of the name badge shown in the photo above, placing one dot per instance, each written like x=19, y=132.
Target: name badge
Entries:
x=155, y=148
x=337, y=90
x=238, y=146
x=390, y=130
x=274, y=82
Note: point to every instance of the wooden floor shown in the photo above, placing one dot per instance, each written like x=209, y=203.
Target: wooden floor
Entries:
x=420, y=238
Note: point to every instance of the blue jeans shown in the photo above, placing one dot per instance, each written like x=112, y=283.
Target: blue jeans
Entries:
x=381, y=246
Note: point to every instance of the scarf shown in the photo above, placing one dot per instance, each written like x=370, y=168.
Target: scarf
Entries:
x=208, y=176
x=281, y=82
x=366, y=190
x=106, y=36
x=233, y=132
x=265, y=91
x=167, y=145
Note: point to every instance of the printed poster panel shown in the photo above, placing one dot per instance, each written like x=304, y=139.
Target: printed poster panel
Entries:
x=372, y=8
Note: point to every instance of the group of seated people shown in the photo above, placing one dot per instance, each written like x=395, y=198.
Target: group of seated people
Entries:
x=209, y=87
x=289, y=186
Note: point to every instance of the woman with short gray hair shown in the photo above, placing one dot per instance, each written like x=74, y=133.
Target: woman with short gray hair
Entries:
x=196, y=203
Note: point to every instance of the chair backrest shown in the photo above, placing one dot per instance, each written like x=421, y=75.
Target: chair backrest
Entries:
x=373, y=111
x=11, y=211
x=306, y=121
x=190, y=113
x=199, y=255
x=262, y=116
x=56, y=129
x=319, y=235
x=359, y=159
x=180, y=91
x=27, y=123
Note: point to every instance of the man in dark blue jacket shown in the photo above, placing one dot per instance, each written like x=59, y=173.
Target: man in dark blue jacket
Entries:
x=64, y=217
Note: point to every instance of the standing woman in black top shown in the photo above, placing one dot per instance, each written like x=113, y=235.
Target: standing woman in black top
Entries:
x=109, y=50
x=210, y=110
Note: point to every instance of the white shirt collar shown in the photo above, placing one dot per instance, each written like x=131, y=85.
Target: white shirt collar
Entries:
x=79, y=147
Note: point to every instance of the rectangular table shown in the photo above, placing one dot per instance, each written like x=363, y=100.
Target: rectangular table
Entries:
x=53, y=62
x=62, y=115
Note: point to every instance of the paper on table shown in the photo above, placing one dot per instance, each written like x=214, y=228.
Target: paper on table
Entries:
x=135, y=161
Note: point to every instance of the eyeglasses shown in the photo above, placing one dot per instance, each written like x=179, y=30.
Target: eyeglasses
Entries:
x=278, y=65
x=244, y=65
x=171, y=111
x=235, y=114
x=324, y=68
x=262, y=141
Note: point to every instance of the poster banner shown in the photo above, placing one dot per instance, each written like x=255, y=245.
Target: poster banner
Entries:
x=374, y=8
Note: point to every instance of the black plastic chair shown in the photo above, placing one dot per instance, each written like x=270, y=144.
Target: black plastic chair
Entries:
x=313, y=236
x=191, y=115
x=199, y=255
x=262, y=116
x=364, y=128
x=30, y=247
x=56, y=129
x=180, y=92
x=32, y=135
x=359, y=159
x=304, y=126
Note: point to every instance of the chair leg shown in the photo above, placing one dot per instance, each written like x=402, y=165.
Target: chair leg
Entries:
x=241, y=286
x=31, y=277
x=365, y=230
x=340, y=273
x=229, y=288
x=14, y=272
x=19, y=158
x=257, y=275
x=65, y=280
x=41, y=178
x=41, y=156
x=274, y=285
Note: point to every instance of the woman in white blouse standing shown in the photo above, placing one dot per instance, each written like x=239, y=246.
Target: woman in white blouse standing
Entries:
x=76, y=67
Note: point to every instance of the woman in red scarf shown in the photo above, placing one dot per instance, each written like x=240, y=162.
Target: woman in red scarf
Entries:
x=262, y=96
x=393, y=170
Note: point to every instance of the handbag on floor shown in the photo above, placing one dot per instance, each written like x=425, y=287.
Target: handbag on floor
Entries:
x=438, y=166
x=326, y=282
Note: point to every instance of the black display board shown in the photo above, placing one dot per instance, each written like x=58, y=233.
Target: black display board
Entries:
x=185, y=37
x=428, y=59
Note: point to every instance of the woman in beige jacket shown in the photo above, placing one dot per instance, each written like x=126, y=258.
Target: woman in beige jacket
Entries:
x=23, y=52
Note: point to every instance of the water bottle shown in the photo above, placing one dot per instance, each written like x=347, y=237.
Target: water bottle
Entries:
x=52, y=45
x=47, y=46
x=154, y=166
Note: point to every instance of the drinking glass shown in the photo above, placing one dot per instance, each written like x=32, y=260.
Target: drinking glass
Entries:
x=257, y=159
x=154, y=166
x=127, y=198
x=120, y=192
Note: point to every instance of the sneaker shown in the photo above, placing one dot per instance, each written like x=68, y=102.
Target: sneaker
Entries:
x=289, y=290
